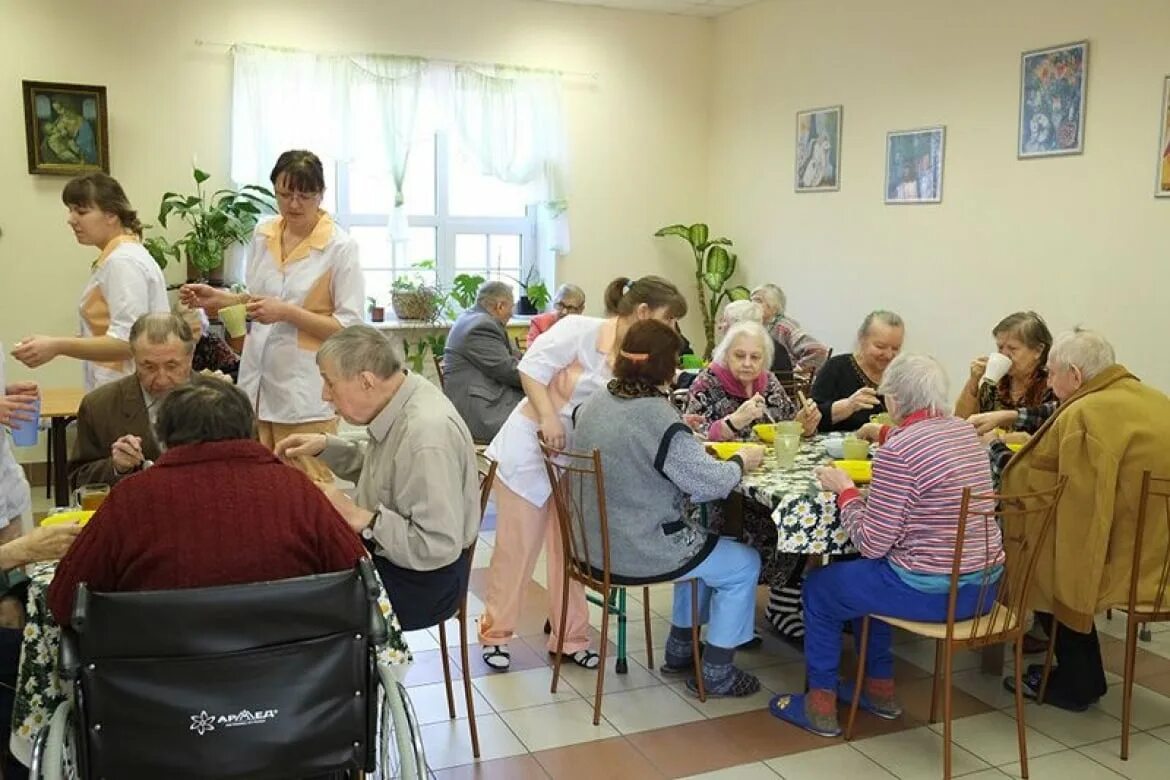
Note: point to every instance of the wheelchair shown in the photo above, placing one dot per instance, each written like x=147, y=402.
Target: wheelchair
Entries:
x=264, y=681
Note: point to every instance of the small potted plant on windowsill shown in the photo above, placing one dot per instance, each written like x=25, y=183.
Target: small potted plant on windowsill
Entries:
x=412, y=298
x=535, y=297
x=377, y=313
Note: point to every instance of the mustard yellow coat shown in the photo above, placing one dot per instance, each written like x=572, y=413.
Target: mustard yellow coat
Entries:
x=1102, y=438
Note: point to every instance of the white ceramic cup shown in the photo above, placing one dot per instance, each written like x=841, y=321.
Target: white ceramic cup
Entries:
x=997, y=368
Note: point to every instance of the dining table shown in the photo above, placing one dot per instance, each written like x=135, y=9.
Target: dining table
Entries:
x=39, y=688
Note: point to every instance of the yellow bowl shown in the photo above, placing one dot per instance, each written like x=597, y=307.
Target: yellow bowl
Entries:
x=724, y=449
x=1014, y=446
x=860, y=471
x=79, y=516
x=766, y=432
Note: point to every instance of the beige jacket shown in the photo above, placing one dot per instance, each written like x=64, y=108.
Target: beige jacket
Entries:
x=418, y=470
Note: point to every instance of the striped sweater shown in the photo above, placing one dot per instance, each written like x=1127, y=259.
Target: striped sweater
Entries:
x=911, y=514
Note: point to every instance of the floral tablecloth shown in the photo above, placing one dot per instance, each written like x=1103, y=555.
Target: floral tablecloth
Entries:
x=38, y=688
x=805, y=515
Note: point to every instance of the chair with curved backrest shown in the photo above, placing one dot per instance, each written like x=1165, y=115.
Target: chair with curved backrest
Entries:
x=1140, y=609
x=487, y=476
x=1007, y=597
x=279, y=679
x=439, y=372
x=573, y=475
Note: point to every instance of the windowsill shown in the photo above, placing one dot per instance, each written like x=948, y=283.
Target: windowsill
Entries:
x=520, y=321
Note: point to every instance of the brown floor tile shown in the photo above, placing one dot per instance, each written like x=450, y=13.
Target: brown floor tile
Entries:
x=1159, y=683
x=1146, y=664
x=763, y=736
x=523, y=657
x=692, y=748
x=915, y=696
x=516, y=768
x=607, y=759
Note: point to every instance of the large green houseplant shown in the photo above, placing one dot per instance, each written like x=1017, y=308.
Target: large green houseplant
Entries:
x=714, y=267
x=216, y=221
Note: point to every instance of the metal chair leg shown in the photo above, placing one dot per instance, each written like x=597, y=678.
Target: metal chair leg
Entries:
x=649, y=638
x=447, y=668
x=600, y=665
x=863, y=642
x=696, y=653
x=621, y=666
x=471, y=726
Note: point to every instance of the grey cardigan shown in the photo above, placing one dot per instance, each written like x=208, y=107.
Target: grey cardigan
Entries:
x=652, y=464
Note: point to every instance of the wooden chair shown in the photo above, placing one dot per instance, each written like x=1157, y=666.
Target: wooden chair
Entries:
x=573, y=475
x=487, y=476
x=1139, y=610
x=439, y=372
x=521, y=343
x=1008, y=596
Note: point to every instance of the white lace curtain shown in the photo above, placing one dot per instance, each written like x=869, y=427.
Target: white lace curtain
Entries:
x=365, y=110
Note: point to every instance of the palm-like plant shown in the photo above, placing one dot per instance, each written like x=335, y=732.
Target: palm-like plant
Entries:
x=217, y=220
x=714, y=266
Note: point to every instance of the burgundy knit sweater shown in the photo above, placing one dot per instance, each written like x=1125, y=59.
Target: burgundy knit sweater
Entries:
x=218, y=513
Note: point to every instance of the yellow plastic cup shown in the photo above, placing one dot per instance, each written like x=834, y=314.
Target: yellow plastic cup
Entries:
x=855, y=449
x=234, y=319
x=881, y=419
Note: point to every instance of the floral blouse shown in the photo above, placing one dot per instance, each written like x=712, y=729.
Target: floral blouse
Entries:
x=999, y=397
x=715, y=394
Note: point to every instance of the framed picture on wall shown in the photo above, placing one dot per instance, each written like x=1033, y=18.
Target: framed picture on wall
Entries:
x=66, y=128
x=914, y=165
x=1052, y=100
x=1163, y=188
x=818, y=149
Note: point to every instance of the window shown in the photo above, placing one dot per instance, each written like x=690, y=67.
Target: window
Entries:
x=464, y=221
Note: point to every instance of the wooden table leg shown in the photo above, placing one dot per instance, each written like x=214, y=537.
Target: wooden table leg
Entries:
x=60, y=461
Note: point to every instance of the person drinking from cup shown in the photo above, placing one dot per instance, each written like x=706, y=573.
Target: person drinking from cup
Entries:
x=727, y=397
x=125, y=283
x=654, y=469
x=1011, y=378
x=115, y=423
x=846, y=388
x=305, y=283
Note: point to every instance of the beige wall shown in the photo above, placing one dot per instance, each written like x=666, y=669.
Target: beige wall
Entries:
x=637, y=140
x=1080, y=239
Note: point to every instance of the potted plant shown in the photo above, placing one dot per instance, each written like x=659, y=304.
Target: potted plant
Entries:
x=536, y=295
x=413, y=298
x=464, y=288
x=377, y=313
x=714, y=266
x=216, y=221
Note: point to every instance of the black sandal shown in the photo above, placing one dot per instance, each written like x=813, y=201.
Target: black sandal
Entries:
x=586, y=659
x=497, y=657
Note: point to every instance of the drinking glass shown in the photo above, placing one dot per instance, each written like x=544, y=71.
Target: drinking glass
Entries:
x=786, y=446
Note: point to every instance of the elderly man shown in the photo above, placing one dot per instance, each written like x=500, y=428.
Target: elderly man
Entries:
x=115, y=421
x=796, y=349
x=569, y=299
x=479, y=363
x=417, y=498
x=1107, y=431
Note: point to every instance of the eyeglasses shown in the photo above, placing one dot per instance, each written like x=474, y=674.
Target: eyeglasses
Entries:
x=566, y=308
x=300, y=197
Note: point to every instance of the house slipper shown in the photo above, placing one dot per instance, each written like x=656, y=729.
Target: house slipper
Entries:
x=586, y=659
x=789, y=707
x=741, y=684
x=887, y=710
x=686, y=668
x=497, y=657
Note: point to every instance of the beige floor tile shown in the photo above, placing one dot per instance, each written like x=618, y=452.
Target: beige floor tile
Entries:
x=649, y=708
x=1150, y=709
x=448, y=742
x=557, y=725
x=662, y=600
x=985, y=687
x=1065, y=765
x=488, y=537
x=718, y=707
x=756, y=771
x=1162, y=733
x=584, y=681
x=1070, y=728
x=430, y=702
x=782, y=678
x=1149, y=757
x=519, y=689
x=482, y=556
x=420, y=641
x=835, y=761
x=992, y=737
x=921, y=654
x=917, y=754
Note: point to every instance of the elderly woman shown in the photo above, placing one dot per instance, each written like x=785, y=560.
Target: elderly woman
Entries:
x=738, y=311
x=795, y=347
x=726, y=398
x=653, y=467
x=1023, y=338
x=569, y=299
x=262, y=521
x=906, y=531
x=845, y=390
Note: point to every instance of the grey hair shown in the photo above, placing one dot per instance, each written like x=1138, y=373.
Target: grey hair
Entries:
x=204, y=412
x=570, y=291
x=1086, y=349
x=744, y=329
x=157, y=328
x=916, y=383
x=738, y=311
x=492, y=293
x=887, y=318
x=774, y=296
x=359, y=348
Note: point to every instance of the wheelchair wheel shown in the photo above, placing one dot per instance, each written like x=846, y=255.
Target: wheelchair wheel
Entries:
x=51, y=747
x=401, y=746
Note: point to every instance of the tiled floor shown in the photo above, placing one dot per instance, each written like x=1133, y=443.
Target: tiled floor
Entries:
x=651, y=727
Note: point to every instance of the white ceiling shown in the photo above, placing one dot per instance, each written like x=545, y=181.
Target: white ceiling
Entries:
x=685, y=7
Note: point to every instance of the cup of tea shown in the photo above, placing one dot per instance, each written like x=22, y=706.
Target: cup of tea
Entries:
x=90, y=497
x=854, y=448
x=997, y=367
x=234, y=319
x=785, y=447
